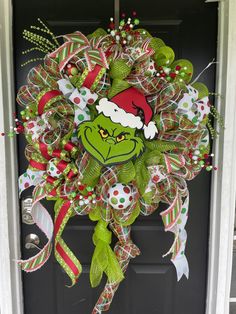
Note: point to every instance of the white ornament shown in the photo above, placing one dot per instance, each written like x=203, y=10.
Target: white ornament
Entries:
x=120, y=196
x=52, y=169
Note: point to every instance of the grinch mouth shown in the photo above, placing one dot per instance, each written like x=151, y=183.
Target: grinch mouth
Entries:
x=107, y=160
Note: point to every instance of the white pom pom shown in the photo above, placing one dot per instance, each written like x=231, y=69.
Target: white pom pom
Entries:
x=150, y=130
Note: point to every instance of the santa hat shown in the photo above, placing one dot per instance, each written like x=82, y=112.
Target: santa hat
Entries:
x=124, y=108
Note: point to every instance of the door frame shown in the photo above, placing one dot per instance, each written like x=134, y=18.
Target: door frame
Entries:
x=223, y=181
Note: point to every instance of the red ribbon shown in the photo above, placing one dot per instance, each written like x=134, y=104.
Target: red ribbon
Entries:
x=71, y=174
x=44, y=150
x=50, y=179
x=63, y=211
x=38, y=165
x=56, y=153
x=67, y=259
x=92, y=75
x=69, y=146
x=45, y=98
x=62, y=165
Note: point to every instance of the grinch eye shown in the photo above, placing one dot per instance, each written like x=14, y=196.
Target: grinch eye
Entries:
x=120, y=138
x=103, y=133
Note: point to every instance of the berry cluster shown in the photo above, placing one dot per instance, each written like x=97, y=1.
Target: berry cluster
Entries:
x=171, y=74
x=87, y=195
x=17, y=129
x=124, y=34
x=199, y=157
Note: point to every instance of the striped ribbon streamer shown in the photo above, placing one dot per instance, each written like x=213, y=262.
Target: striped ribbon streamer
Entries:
x=64, y=256
x=44, y=221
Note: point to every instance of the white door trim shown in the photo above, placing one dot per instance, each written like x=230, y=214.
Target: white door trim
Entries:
x=223, y=181
x=11, y=301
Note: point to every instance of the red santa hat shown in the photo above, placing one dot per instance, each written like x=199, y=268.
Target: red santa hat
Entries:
x=124, y=108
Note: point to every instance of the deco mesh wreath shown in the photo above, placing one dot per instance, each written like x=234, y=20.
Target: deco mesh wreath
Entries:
x=114, y=127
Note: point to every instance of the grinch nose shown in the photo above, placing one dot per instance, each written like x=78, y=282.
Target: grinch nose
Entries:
x=110, y=140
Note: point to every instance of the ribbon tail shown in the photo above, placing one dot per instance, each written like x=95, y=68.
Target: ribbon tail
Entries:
x=125, y=250
x=98, y=265
x=63, y=255
x=181, y=266
x=104, y=259
x=44, y=221
x=175, y=219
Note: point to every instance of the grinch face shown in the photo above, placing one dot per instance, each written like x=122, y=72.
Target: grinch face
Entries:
x=109, y=142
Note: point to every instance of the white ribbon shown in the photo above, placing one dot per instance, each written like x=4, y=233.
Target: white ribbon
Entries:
x=193, y=108
x=30, y=178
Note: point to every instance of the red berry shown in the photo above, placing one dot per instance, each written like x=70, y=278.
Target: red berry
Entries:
x=134, y=13
x=206, y=156
x=81, y=187
x=2, y=134
x=123, y=15
x=112, y=25
x=215, y=168
x=20, y=129
x=178, y=67
x=173, y=75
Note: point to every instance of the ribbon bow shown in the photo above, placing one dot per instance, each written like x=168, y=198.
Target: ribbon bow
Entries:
x=75, y=44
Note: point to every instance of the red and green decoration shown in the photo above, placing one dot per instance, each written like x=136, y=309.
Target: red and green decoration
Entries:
x=114, y=127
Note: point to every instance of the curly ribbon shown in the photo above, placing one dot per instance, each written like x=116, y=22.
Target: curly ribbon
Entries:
x=44, y=221
x=125, y=250
x=104, y=259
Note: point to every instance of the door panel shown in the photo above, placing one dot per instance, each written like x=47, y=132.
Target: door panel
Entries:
x=189, y=27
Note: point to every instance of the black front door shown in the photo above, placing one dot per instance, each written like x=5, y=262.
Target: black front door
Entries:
x=189, y=27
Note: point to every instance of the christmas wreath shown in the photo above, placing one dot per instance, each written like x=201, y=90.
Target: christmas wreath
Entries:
x=114, y=126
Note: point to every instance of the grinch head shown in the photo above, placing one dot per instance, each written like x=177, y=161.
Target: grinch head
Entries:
x=111, y=137
x=109, y=142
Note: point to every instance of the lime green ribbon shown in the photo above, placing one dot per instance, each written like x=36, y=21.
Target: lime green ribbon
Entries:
x=104, y=259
